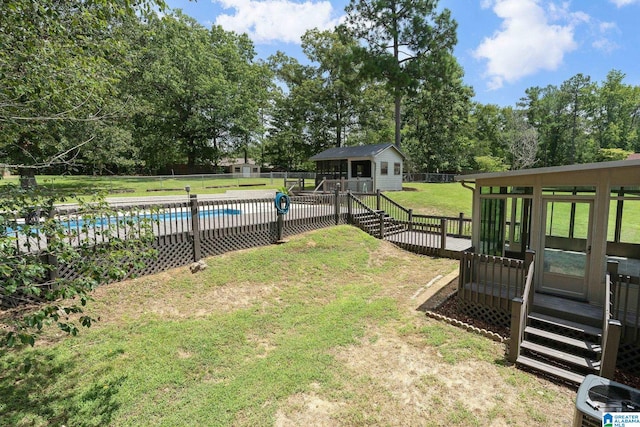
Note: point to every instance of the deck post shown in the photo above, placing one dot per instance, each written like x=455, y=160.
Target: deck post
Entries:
x=460, y=223
x=381, y=225
x=378, y=199
x=195, y=227
x=516, y=325
x=349, y=207
x=337, y=203
x=410, y=218
x=610, y=343
x=443, y=234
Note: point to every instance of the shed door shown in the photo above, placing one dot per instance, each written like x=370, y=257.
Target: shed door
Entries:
x=566, y=243
x=246, y=171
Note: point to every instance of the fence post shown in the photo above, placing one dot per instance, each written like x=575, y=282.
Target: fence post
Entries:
x=610, y=344
x=516, y=334
x=460, y=223
x=280, y=227
x=381, y=225
x=378, y=199
x=443, y=234
x=410, y=219
x=337, y=203
x=195, y=227
x=52, y=260
x=349, y=207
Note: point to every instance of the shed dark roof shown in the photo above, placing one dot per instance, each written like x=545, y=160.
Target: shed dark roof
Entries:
x=362, y=151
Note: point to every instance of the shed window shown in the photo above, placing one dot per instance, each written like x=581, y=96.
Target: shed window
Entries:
x=384, y=168
x=396, y=168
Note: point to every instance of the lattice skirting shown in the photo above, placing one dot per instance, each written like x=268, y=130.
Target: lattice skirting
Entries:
x=298, y=226
x=629, y=358
x=176, y=254
x=232, y=242
x=492, y=315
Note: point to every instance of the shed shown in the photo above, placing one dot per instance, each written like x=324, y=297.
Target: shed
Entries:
x=363, y=168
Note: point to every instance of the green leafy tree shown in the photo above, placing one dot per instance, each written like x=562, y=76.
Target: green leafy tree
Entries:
x=342, y=102
x=437, y=116
x=616, y=116
x=59, y=65
x=201, y=103
x=35, y=243
x=399, y=37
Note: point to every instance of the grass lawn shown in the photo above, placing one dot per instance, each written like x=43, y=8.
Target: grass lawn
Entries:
x=322, y=330
x=121, y=186
x=434, y=199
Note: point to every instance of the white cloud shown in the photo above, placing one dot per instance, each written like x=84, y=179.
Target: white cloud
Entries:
x=621, y=3
x=527, y=41
x=605, y=45
x=276, y=20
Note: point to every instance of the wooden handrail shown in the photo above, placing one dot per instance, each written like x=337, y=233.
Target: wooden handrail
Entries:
x=520, y=308
x=611, y=328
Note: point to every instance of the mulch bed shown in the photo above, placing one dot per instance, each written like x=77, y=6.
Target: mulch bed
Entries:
x=444, y=303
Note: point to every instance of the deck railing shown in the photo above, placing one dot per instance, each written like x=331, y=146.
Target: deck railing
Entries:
x=520, y=309
x=453, y=226
x=625, y=304
x=491, y=280
x=611, y=328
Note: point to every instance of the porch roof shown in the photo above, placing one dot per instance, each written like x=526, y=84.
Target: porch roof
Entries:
x=568, y=169
x=358, y=152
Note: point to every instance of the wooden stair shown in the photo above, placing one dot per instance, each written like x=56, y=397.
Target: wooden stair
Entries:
x=370, y=223
x=560, y=348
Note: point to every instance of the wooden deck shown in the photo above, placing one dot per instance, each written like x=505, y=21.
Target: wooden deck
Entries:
x=430, y=240
x=544, y=303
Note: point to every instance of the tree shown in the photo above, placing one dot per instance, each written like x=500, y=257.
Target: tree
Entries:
x=399, y=37
x=521, y=138
x=35, y=244
x=59, y=65
x=342, y=101
x=437, y=116
x=616, y=116
x=198, y=104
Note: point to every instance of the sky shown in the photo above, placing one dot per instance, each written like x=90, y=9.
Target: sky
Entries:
x=504, y=46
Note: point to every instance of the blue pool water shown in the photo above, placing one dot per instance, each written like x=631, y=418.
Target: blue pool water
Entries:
x=159, y=216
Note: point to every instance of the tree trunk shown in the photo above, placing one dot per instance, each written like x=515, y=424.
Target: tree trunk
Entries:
x=27, y=178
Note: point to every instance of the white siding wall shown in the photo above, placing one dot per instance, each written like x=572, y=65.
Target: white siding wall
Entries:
x=389, y=182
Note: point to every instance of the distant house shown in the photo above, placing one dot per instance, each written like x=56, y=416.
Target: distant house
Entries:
x=240, y=166
x=364, y=168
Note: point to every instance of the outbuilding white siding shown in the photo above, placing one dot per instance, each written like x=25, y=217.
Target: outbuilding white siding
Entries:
x=391, y=181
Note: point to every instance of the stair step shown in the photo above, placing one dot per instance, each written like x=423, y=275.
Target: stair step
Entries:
x=581, y=344
x=550, y=369
x=574, y=326
x=583, y=362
